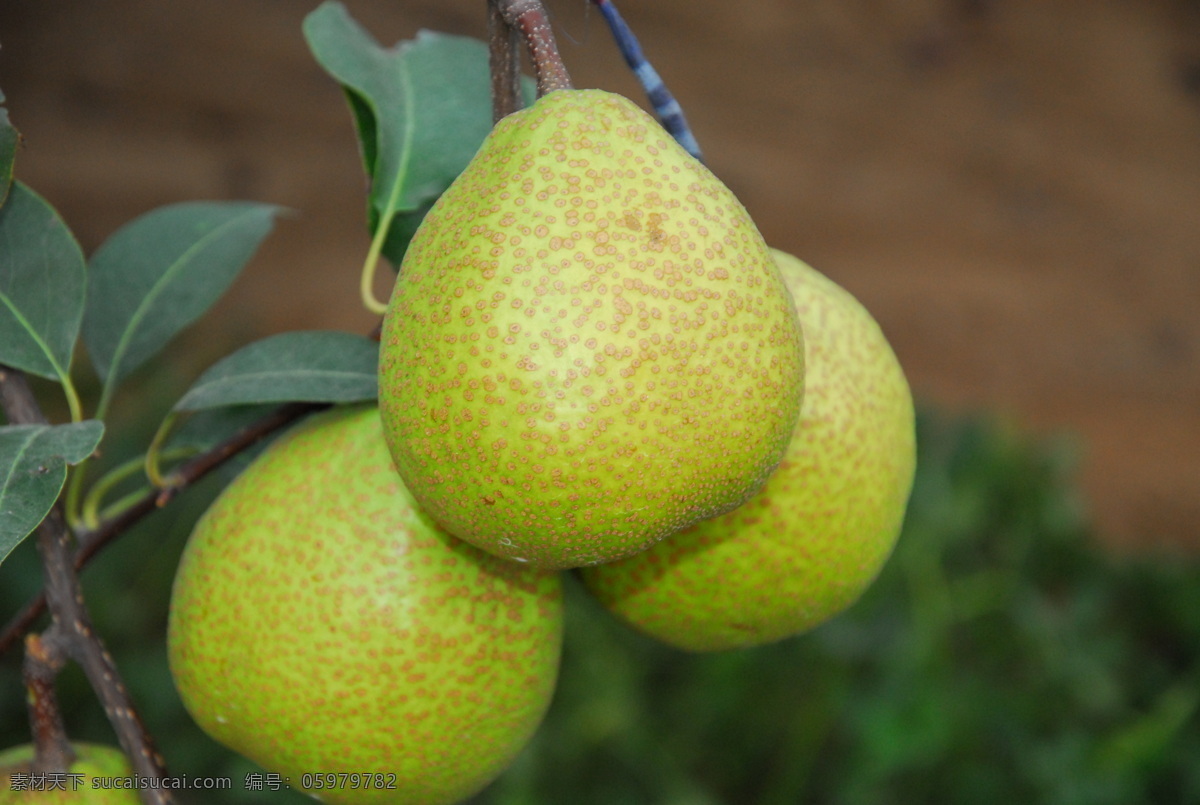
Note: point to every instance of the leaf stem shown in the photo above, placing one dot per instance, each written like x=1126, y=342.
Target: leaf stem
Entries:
x=122, y=504
x=106, y=393
x=89, y=514
x=74, y=490
x=78, y=472
x=366, y=285
x=72, y=397
x=388, y=213
x=151, y=460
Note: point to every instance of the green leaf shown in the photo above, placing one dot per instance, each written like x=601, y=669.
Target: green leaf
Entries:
x=312, y=366
x=161, y=272
x=421, y=108
x=42, y=286
x=33, y=469
x=9, y=139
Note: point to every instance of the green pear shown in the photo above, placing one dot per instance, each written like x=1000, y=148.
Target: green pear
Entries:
x=75, y=787
x=814, y=538
x=320, y=622
x=588, y=346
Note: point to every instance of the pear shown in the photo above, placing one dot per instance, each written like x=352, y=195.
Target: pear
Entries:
x=588, y=346
x=75, y=787
x=806, y=546
x=320, y=622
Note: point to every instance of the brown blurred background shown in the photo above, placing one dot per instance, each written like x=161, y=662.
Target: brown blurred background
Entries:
x=1012, y=187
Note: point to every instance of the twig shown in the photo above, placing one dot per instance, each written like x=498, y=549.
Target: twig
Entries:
x=529, y=17
x=72, y=623
x=504, y=60
x=44, y=658
x=87, y=649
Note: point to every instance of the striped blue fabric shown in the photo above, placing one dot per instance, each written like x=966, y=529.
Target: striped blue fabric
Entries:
x=670, y=113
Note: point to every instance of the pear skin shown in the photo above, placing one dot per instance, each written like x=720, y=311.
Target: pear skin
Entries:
x=77, y=785
x=805, y=547
x=321, y=622
x=588, y=346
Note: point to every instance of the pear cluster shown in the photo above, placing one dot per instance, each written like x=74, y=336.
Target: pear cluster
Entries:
x=592, y=360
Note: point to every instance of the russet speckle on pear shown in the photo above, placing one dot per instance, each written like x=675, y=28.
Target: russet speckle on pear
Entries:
x=588, y=346
x=78, y=785
x=321, y=622
x=805, y=547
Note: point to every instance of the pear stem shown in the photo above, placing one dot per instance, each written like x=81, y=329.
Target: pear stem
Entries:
x=504, y=61
x=530, y=18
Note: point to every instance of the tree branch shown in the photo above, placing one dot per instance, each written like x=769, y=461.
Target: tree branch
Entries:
x=72, y=623
x=504, y=60
x=43, y=660
x=530, y=18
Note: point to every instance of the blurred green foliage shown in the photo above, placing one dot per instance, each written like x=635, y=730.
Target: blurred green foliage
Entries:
x=1000, y=657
